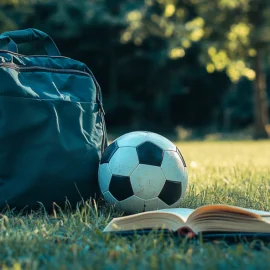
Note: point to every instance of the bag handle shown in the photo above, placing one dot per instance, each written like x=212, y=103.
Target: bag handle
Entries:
x=29, y=35
x=9, y=43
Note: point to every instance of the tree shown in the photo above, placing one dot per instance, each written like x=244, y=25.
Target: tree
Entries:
x=151, y=29
x=236, y=40
x=233, y=36
x=13, y=13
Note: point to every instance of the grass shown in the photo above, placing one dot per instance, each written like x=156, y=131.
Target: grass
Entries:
x=236, y=173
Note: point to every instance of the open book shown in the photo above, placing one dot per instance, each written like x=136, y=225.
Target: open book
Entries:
x=210, y=218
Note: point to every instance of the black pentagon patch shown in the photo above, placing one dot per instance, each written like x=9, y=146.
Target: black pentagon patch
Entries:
x=109, y=152
x=120, y=187
x=182, y=158
x=150, y=154
x=171, y=192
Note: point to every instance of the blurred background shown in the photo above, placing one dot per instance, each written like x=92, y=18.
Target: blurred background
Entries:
x=194, y=69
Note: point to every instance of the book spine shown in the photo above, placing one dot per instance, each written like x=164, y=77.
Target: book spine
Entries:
x=186, y=232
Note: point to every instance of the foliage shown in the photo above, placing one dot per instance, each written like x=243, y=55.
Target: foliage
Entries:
x=14, y=13
x=219, y=172
x=232, y=35
x=232, y=30
x=149, y=55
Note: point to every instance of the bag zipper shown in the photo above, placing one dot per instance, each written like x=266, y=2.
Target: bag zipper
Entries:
x=56, y=70
x=35, y=55
x=74, y=71
x=20, y=68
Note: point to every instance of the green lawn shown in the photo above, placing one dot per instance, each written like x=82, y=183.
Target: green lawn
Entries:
x=236, y=173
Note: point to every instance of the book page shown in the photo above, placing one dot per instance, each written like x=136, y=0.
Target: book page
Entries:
x=183, y=213
x=221, y=209
x=171, y=218
x=222, y=217
x=257, y=212
x=204, y=218
x=146, y=220
x=266, y=219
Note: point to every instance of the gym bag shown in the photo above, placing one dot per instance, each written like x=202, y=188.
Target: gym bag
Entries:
x=52, y=127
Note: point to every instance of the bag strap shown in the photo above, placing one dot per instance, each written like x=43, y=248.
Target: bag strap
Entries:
x=28, y=35
x=6, y=41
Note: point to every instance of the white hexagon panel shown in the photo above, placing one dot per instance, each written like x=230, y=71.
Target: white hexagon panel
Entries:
x=132, y=139
x=124, y=161
x=104, y=177
x=161, y=141
x=111, y=200
x=155, y=204
x=173, y=167
x=147, y=181
x=132, y=204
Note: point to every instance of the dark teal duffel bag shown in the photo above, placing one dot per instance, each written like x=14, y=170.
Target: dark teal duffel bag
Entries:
x=52, y=128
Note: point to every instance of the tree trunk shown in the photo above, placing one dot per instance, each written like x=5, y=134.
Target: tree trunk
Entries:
x=260, y=100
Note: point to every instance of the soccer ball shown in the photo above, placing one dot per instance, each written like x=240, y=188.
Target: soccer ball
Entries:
x=142, y=171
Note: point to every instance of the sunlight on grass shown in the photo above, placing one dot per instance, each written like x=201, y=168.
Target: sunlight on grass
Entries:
x=236, y=173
